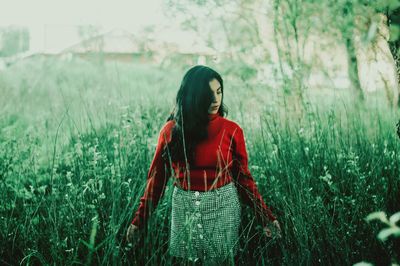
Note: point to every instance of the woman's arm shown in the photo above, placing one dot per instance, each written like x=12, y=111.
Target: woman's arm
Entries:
x=245, y=184
x=157, y=179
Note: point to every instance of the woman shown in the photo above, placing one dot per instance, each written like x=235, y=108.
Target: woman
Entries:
x=207, y=155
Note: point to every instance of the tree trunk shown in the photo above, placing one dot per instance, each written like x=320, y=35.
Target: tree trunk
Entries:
x=353, y=68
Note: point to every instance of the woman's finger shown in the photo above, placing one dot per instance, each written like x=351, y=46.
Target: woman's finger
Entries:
x=267, y=232
x=278, y=230
x=276, y=223
x=127, y=235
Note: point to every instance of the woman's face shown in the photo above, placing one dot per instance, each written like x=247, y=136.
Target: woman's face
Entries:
x=217, y=96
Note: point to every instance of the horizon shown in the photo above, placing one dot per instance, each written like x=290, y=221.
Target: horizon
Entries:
x=53, y=26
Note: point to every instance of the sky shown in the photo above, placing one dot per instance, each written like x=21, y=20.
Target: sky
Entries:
x=52, y=23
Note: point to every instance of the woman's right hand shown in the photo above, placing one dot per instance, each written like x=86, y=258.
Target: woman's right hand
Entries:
x=131, y=232
x=276, y=228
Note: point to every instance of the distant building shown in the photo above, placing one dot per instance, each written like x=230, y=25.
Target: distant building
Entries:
x=120, y=45
x=123, y=46
x=114, y=45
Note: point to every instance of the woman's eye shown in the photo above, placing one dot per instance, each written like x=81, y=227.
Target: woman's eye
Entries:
x=219, y=92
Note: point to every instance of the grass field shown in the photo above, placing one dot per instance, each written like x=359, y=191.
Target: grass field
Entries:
x=77, y=139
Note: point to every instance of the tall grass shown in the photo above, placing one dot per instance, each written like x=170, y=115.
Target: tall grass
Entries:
x=77, y=141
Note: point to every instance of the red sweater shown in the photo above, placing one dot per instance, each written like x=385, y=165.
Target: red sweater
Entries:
x=219, y=159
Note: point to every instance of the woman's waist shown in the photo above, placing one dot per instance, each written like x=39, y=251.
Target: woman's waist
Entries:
x=201, y=172
x=220, y=188
x=202, y=181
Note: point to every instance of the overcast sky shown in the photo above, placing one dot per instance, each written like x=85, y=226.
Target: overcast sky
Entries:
x=52, y=22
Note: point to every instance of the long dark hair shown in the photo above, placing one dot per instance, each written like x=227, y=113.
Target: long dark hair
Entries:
x=398, y=128
x=190, y=113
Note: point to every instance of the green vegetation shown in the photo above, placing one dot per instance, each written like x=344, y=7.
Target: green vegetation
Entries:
x=77, y=139
x=13, y=40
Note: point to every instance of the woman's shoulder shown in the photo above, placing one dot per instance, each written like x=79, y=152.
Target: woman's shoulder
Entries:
x=166, y=129
x=168, y=125
x=230, y=124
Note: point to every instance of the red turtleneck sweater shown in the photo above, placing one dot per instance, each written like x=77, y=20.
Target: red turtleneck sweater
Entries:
x=219, y=159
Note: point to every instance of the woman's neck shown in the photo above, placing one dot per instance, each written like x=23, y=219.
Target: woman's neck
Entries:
x=213, y=116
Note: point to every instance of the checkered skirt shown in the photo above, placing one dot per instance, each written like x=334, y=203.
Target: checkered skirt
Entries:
x=205, y=224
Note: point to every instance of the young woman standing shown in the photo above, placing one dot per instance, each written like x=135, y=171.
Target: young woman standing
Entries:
x=208, y=158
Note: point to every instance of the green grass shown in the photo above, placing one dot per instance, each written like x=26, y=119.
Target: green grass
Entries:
x=77, y=140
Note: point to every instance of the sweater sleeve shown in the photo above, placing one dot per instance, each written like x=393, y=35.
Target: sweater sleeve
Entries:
x=245, y=184
x=157, y=179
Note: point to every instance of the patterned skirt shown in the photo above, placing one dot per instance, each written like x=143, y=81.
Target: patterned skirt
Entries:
x=205, y=224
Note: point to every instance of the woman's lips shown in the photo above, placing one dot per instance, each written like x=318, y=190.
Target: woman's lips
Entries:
x=214, y=107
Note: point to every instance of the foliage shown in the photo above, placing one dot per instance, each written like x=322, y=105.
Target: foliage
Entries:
x=392, y=229
x=321, y=173
x=242, y=32
x=13, y=40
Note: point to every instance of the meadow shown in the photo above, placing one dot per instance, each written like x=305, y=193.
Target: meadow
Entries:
x=77, y=139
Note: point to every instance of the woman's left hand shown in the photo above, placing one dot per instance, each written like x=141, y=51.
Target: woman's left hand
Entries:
x=276, y=228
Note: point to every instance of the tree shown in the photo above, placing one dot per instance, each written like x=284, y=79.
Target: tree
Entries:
x=284, y=31
x=13, y=40
x=393, y=21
